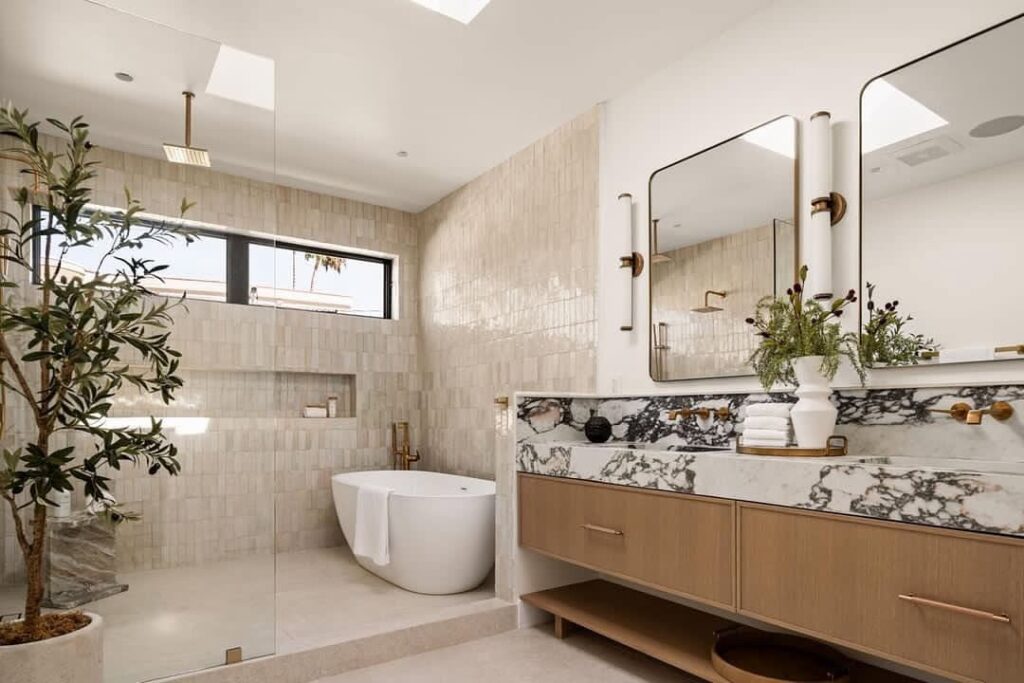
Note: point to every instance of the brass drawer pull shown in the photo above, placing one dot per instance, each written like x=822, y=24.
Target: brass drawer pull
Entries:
x=981, y=614
x=603, y=530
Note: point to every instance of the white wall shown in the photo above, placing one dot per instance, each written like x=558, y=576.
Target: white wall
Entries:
x=795, y=57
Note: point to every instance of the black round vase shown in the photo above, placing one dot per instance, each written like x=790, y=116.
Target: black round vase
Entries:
x=598, y=429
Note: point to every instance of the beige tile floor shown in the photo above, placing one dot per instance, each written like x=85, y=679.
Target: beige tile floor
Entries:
x=182, y=619
x=533, y=655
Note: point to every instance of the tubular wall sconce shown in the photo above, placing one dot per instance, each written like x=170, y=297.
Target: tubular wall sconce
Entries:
x=827, y=207
x=632, y=264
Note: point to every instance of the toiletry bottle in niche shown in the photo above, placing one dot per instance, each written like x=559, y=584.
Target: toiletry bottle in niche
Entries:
x=332, y=406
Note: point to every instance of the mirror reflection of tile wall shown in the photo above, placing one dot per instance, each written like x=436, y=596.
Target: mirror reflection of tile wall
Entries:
x=723, y=236
x=739, y=264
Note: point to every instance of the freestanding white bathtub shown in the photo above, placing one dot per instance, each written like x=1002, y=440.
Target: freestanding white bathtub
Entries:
x=440, y=528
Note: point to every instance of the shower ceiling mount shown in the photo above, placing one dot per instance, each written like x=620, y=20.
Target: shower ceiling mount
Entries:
x=187, y=154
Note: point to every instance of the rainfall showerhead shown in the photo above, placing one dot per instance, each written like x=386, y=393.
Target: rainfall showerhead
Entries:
x=657, y=256
x=707, y=307
x=187, y=154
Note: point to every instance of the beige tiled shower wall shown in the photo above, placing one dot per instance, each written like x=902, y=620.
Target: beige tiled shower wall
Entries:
x=249, y=460
x=507, y=302
x=507, y=292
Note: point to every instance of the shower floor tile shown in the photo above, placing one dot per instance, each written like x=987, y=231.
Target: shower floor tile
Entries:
x=183, y=619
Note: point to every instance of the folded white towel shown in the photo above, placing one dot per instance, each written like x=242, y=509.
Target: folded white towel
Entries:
x=778, y=423
x=371, y=535
x=765, y=434
x=767, y=443
x=769, y=409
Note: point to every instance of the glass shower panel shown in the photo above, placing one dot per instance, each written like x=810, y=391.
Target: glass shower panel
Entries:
x=190, y=584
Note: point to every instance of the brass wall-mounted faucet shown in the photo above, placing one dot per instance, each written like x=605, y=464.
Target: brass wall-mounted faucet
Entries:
x=703, y=413
x=963, y=412
x=400, y=448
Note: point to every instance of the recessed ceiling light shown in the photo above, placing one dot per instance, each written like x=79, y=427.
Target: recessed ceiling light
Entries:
x=243, y=77
x=890, y=115
x=998, y=126
x=124, y=76
x=462, y=11
x=401, y=153
x=778, y=136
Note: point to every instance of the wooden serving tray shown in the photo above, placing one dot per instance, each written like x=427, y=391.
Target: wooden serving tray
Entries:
x=836, y=446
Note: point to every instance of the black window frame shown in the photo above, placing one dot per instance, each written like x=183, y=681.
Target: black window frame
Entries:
x=236, y=273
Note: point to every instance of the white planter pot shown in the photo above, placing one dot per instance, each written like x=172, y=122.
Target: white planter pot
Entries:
x=813, y=416
x=76, y=656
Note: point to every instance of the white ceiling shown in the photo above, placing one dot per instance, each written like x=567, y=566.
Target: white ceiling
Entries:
x=357, y=80
x=731, y=188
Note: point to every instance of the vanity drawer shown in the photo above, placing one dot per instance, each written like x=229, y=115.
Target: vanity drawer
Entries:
x=888, y=588
x=678, y=543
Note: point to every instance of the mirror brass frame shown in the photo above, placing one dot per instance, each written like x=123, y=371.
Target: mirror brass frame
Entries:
x=650, y=232
x=860, y=160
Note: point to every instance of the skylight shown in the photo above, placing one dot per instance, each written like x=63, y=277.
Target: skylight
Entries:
x=777, y=136
x=890, y=115
x=242, y=77
x=462, y=11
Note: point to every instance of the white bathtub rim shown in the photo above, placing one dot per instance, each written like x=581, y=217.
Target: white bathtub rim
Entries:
x=346, y=479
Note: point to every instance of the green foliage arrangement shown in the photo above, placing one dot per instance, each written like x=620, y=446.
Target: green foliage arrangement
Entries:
x=62, y=338
x=884, y=340
x=790, y=328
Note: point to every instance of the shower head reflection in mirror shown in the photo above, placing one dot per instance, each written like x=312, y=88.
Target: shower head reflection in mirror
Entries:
x=723, y=235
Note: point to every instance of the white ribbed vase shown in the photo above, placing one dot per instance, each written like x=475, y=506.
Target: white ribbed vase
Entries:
x=813, y=416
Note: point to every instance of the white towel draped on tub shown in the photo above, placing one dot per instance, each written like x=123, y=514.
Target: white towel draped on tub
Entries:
x=371, y=534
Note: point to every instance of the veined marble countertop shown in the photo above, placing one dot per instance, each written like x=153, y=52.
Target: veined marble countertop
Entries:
x=970, y=495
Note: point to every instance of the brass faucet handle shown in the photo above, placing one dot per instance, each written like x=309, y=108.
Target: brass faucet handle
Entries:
x=962, y=412
x=723, y=413
x=1000, y=410
x=958, y=411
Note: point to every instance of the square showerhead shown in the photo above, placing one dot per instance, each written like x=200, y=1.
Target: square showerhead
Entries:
x=190, y=156
x=708, y=309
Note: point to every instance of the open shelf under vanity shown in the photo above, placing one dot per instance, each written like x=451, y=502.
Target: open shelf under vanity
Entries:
x=667, y=631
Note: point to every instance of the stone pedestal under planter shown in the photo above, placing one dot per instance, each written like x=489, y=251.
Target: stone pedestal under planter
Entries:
x=80, y=561
x=77, y=656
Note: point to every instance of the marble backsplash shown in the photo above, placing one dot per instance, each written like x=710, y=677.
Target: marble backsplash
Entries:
x=882, y=422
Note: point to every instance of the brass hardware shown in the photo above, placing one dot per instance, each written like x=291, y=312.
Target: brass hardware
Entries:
x=927, y=355
x=635, y=262
x=962, y=412
x=703, y=413
x=958, y=411
x=603, y=530
x=501, y=401
x=959, y=609
x=834, y=203
x=624, y=195
x=233, y=655
x=837, y=445
x=1016, y=348
x=400, y=448
x=708, y=308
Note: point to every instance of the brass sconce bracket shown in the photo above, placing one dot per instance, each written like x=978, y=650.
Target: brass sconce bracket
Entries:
x=834, y=203
x=635, y=262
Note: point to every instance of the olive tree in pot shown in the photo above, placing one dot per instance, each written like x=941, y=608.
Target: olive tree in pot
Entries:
x=69, y=343
x=802, y=343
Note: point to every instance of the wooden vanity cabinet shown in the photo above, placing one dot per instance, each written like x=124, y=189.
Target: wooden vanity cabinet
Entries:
x=679, y=544
x=946, y=601
x=943, y=601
